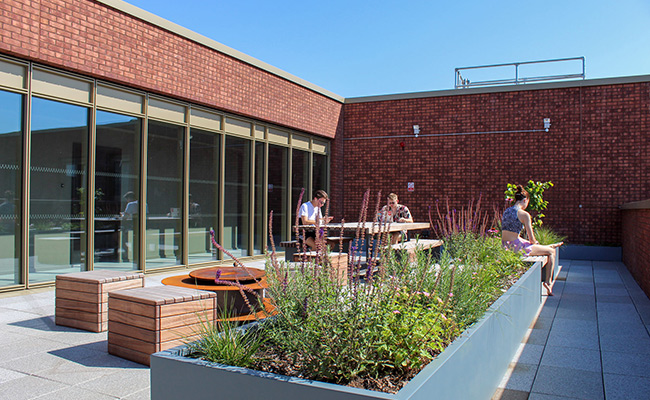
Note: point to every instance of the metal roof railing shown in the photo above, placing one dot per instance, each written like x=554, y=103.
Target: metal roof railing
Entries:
x=462, y=83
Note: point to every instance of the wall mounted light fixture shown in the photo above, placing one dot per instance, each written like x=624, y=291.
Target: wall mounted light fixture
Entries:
x=416, y=130
x=547, y=124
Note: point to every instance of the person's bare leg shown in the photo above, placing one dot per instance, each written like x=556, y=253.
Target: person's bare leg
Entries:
x=549, y=252
x=395, y=237
x=311, y=243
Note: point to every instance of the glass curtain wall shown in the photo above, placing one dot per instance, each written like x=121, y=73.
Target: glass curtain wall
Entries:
x=164, y=195
x=259, y=243
x=11, y=137
x=278, y=192
x=204, y=194
x=58, y=177
x=236, y=196
x=117, y=191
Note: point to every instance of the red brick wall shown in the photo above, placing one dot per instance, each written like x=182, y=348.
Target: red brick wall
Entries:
x=597, y=153
x=636, y=251
x=92, y=39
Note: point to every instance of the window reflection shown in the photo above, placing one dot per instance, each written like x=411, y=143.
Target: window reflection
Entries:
x=299, y=179
x=204, y=194
x=236, y=196
x=11, y=136
x=319, y=173
x=59, y=142
x=260, y=218
x=277, y=191
x=164, y=194
x=117, y=165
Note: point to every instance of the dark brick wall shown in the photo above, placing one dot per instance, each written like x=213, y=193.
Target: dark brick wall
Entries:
x=92, y=39
x=597, y=153
x=636, y=251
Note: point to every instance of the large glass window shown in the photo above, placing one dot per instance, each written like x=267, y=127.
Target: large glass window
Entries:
x=319, y=178
x=11, y=136
x=260, y=218
x=236, y=196
x=299, y=178
x=204, y=193
x=117, y=183
x=59, y=142
x=164, y=195
x=277, y=192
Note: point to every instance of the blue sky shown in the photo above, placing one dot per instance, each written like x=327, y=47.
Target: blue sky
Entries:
x=362, y=47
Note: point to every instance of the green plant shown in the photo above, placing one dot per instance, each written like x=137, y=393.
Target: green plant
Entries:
x=536, y=196
x=225, y=341
x=546, y=235
x=380, y=331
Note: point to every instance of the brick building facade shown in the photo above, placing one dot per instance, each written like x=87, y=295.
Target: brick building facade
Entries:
x=472, y=141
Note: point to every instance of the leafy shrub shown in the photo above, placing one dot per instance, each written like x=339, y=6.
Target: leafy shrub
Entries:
x=536, y=195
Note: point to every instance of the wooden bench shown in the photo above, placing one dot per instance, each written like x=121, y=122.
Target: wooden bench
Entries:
x=82, y=297
x=339, y=263
x=147, y=320
x=412, y=245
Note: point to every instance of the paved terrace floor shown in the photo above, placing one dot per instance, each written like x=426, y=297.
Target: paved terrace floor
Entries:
x=590, y=341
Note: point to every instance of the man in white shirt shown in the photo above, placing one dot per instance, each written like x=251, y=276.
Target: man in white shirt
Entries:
x=310, y=213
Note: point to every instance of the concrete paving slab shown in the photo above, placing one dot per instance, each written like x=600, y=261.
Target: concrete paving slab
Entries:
x=569, y=382
x=25, y=347
x=622, y=291
x=576, y=312
x=509, y=394
x=121, y=383
x=30, y=387
x=144, y=394
x=619, y=299
x=537, y=337
x=7, y=375
x=569, y=357
x=529, y=354
x=74, y=393
x=625, y=343
x=632, y=364
x=625, y=387
x=35, y=363
x=541, y=396
x=630, y=328
x=519, y=377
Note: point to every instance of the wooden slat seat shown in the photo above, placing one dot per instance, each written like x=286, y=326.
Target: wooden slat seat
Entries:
x=82, y=297
x=147, y=320
x=339, y=262
x=412, y=245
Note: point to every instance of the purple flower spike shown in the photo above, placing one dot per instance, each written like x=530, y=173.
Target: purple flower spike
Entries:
x=217, y=276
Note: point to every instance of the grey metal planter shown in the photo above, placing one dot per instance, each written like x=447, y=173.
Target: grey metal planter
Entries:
x=470, y=368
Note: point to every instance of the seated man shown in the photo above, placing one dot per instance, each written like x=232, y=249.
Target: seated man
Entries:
x=394, y=212
x=310, y=212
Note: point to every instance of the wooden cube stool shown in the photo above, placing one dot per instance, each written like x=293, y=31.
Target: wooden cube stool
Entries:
x=339, y=263
x=146, y=320
x=82, y=297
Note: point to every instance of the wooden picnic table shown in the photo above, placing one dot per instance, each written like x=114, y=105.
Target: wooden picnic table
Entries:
x=371, y=227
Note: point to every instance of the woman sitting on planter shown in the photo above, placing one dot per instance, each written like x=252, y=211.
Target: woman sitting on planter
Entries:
x=514, y=219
